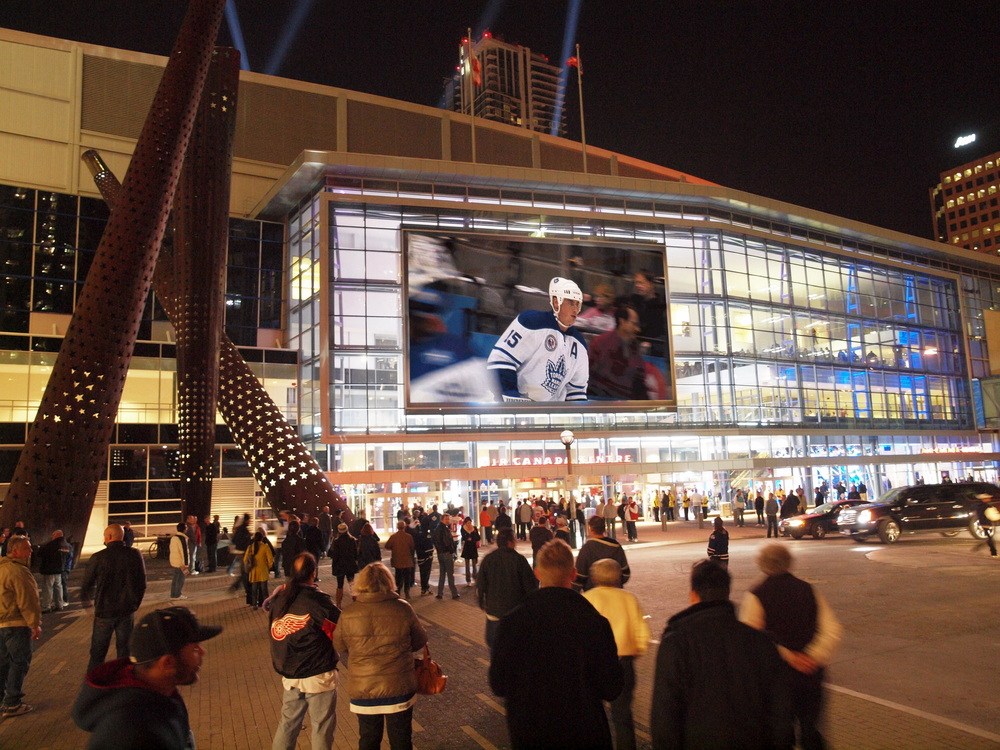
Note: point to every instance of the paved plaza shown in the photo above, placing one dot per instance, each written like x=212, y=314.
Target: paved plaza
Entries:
x=236, y=702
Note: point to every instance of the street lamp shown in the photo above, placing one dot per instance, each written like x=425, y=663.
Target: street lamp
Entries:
x=567, y=437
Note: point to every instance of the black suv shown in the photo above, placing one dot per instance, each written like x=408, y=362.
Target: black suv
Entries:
x=945, y=508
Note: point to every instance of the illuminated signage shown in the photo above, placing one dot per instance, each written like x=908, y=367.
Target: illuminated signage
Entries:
x=623, y=458
x=954, y=449
x=965, y=140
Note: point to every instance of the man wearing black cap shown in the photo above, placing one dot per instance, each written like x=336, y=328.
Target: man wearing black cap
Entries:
x=166, y=652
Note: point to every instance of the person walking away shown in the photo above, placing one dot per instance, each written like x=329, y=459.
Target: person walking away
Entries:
x=326, y=529
x=539, y=536
x=425, y=558
x=378, y=635
x=470, y=549
x=194, y=541
x=717, y=682
x=303, y=620
x=313, y=538
x=598, y=547
x=257, y=561
x=718, y=544
x=20, y=622
x=628, y=623
x=799, y=621
x=611, y=517
x=758, y=506
x=368, y=549
x=292, y=546
x=771, y=510
x=401, y=545
x=738, y=507
x=115, y=580
x=212, y=531
x=134, y=704
x=179, y=561
x=504, y=582
x=863, y=491
x=524, y=666
x=631, y=517
x=444, y=543
x=51, y=562
x=238, y=545
x=987, y=515
x=68, y=563
x=562, y=531
x=503, y=520
x=344, y=552
x=526, y=515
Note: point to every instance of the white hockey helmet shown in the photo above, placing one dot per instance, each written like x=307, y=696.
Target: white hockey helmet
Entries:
x=563, y=289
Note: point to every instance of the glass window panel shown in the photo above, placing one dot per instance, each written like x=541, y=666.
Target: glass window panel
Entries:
x=348, y=301
x=385, y=333
x=384, y=303
x=348, y=264
x=347, y=330
x=383, y=267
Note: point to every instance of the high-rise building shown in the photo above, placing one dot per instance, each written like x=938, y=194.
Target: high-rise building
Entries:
x=515, y=85
x=965, y=206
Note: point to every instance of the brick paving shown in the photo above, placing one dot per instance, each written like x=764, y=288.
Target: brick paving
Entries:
x=236, y=703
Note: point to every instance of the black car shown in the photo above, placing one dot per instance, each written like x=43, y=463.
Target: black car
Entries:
x=817, y=522
x=945, y=508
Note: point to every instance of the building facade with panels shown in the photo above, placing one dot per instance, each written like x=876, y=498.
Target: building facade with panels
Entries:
x=802, y=347
x=966, y=206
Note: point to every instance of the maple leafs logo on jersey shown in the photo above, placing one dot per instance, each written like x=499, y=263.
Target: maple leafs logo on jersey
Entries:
x=554, y=374
x=285, y=626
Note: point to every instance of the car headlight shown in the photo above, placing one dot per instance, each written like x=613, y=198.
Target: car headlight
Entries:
x=795, y=522
x=865, y=516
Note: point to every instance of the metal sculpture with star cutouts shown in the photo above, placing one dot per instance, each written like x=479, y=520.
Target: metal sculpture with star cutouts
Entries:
x=57, y=476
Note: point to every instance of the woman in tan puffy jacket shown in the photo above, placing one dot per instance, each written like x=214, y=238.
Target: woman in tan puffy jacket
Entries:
x=378, y=635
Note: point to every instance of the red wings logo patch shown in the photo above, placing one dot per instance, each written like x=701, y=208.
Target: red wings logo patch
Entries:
x=285, y=626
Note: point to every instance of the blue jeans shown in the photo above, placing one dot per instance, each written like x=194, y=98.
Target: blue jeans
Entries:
x=52, y=591
x=177, y=584
x=15, y=658
x=621, y=708
x=322, y=714
x=100, y=641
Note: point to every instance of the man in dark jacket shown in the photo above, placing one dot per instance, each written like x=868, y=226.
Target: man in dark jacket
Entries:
x=326, y=528
x=539, y=536
x=444, y=543
x=302, y=622
x=212, y=531
x=116, y=577
x=136, y=706
x=52, y=561
x=717, y=680
x=504, y=582
x=598, y=547
x=425, y=555
x=128, y=536
x=524, y=665
x=807, y=633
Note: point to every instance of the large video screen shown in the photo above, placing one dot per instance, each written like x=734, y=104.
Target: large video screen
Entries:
x=533, y=323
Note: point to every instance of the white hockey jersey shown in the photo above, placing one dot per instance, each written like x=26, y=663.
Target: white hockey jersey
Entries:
x=535, y=359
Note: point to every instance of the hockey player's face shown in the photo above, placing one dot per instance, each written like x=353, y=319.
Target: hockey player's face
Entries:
x=568, y=311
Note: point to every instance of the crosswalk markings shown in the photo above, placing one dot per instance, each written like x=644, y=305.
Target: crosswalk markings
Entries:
x=480, y=740
x=492, y=703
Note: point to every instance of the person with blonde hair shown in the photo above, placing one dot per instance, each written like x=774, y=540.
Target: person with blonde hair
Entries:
x=804, y=628
x=524, y=665
x=378, y=635
x=628, y=623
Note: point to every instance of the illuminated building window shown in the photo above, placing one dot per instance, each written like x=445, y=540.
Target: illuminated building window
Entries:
x=989, y=165
x=947, y=180
x=958, y=176
x=951, y=204
x=955, y=240
x=992, y=189
x=961, y=200
x=965, y=236
x=968, y=173
x=979, y=168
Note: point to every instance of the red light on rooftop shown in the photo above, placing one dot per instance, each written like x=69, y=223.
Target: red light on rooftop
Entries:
x=465, y=41
x=487, y=34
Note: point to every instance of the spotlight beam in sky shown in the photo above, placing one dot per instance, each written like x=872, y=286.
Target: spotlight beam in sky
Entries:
x=288, y=34
x=233, y=21
x=569, y=39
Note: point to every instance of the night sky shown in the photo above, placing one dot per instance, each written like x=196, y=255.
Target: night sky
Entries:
x=847, y=107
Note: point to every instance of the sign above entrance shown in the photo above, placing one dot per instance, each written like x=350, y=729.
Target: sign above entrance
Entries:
x=557, y=461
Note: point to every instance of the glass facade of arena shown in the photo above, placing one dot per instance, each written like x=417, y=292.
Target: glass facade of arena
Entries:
x=47, y=244
x=765, y=331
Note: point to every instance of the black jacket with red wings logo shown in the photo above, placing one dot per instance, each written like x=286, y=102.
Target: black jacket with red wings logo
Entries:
x=301, y=636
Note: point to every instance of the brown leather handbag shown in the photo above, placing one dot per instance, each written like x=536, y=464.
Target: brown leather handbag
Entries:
x=430, y=679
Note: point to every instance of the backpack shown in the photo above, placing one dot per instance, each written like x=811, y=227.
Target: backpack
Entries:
x=621, y=511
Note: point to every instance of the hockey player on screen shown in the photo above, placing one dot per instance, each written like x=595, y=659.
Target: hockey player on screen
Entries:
x=542, y=356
